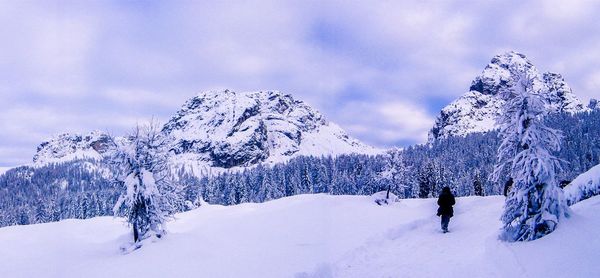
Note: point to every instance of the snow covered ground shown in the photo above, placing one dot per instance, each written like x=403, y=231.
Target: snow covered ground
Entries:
x=309, y=236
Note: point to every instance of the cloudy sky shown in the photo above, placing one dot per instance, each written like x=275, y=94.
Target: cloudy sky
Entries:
x=382, y=70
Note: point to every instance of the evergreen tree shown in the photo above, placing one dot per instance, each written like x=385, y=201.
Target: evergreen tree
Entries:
x=393, y=172
x=535, y=204
x=141, y=166
x=306, y=182
x=426, y=181
x=41, y=214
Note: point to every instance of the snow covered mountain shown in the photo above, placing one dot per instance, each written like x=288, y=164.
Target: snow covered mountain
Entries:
x=226, y=129
x=238, y=129
x=477, y=110
x=66, y=147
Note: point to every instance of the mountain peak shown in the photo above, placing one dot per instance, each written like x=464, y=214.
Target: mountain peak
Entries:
x=477, y=110
x=503, y=68
x=226, y=129
x=69, y=146
x=238, y=129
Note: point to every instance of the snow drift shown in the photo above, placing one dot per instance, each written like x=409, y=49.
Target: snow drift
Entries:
x=584, y=186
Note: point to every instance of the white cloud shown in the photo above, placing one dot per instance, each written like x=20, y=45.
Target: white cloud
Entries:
x=592, y=85
x=46, y=50
x=409, y=121
x=87, y=65
x=141, y=98
x=387, y=123
x=568, y=11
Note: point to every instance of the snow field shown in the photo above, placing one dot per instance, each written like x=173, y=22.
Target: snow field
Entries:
x=309, y=236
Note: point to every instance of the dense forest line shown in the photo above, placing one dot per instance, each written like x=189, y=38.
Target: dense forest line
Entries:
x=83, y=189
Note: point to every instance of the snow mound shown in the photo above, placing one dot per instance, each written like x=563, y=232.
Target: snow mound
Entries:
x=381, y=199
x=584, y=186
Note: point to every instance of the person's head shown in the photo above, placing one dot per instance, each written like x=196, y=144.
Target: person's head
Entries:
x=446, y=190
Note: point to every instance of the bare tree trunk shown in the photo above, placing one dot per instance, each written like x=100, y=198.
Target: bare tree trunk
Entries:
x=135, y=233
x=387, y=196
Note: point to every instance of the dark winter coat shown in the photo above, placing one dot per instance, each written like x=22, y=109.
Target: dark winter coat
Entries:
x=508, y=186
x=446, y=201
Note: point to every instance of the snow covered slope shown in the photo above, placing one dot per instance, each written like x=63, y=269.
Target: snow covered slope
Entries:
x=330, y=236
x=477, y=110
x=584, y=186
x=238, y=129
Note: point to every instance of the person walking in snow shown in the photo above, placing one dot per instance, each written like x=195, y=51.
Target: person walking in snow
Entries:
x=445, y=201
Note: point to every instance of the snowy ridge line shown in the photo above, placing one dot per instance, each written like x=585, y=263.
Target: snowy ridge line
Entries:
x=218, y=130
x=65, y=147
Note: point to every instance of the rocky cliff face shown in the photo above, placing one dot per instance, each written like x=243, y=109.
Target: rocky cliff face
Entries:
x=232, y=129
x=477, y=110
x=227, y=129
x=67, y=147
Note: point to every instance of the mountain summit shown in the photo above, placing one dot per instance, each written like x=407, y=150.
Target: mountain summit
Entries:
x=226, y=129
x=477, y=110
x=238, y=129
x=66, y=147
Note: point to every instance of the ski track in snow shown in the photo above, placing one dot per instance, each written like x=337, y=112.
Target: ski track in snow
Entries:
x=420, y=237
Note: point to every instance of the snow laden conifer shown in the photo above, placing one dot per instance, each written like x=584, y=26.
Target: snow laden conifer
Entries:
x=394, y=173
x=149, y=198
x=426, y=180
x=535, y=203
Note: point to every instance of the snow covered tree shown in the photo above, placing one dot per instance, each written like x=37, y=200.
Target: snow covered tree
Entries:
x=306, y=182
x=149, y=198
x=394, y=171
x=426, y=180
x=536, y=203
x=41, y=214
